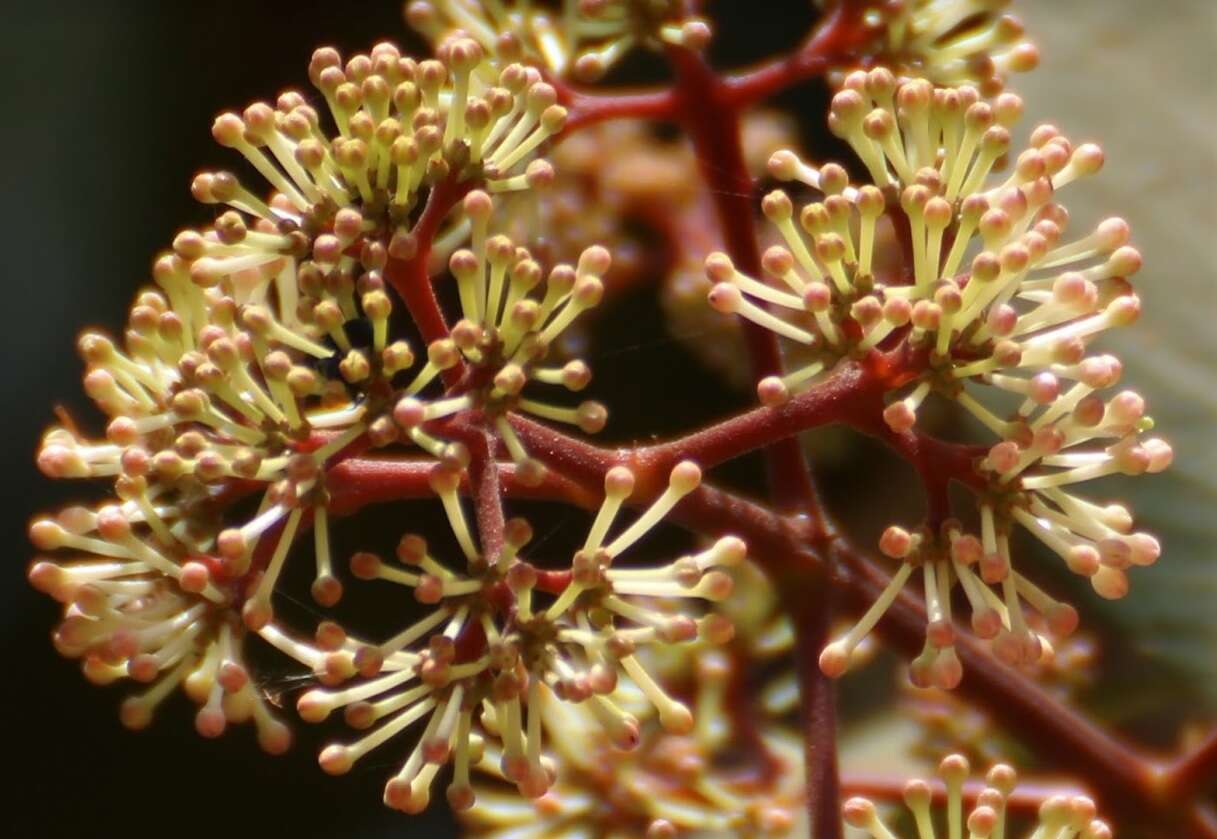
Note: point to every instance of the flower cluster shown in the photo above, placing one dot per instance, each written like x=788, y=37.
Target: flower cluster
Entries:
x=669, y=786
x=950, y=42
x=513, y=312
x=486, y=658
x=996, y=302
x=734, y=773
x=341, y=215
x=400, y=127
x=266, y=348
x=208, y=400
x=948, y=722
x=140, y=603
x=591, y=694
x=1067, y=817
x=583, y=38
x=930, y=152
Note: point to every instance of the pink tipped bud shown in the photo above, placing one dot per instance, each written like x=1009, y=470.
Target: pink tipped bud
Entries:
x=896, y=542
x=834, y=659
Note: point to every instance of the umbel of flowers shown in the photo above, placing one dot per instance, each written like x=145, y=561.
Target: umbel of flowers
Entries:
x=691, y=783
x=948, y=42
x=497, y=645
x=580, y=38
x=400, y=126
x=513, y=312
x=1066, y=817
x=999, y=309
x=268, y=346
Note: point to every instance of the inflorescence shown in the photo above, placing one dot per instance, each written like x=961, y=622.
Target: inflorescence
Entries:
x=483, y=662
x=683, y=783
x=269, y=349
x=580, y=38
x=949, y=42
x=1060, y=816
x=1001, y=309
x=513, y=313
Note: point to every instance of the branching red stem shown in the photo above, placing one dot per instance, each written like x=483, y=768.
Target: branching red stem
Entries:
x=588, y=109
x=1126, y=782
x=409, y=276
x=1194, y=772
x=487, y=493
x=795, y=545
x=832, y=43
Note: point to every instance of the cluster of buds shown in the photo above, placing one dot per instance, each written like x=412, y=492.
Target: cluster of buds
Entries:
x=947, y=722
x=512, y=313
x=736, y=772
x=930, y=152
x=945, y=563
x=949, y=42
x=139, y=604
x=400, y=127
x=1064, y=817
x=579, y=38
x=1018, y=319
x=265, y=349
x=208, y=400
x=669, y=786
x=821, y=285
x=489, y=654
x=1094, y=540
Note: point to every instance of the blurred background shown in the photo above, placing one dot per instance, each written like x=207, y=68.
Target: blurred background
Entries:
x=107, y=110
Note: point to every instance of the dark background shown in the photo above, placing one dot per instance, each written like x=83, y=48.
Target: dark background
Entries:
x=107, y=109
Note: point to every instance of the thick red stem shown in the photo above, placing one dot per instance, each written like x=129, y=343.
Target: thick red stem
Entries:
x=410, y=277
x=487, y=492
x=835, y=400
x=358, y=483
x=712, y=121
x=713, y=124
x=588, y=108
x=833, y=43
x=817, y=703
x=1193, y=773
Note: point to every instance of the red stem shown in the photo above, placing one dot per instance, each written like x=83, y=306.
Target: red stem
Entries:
x=836, y=400
x=833, y=43
x=588, y=108
x=488, y=495
x=713, y=124
x=817, y=703
x=358, y=483
x=1194, y=772
x=410, y=277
